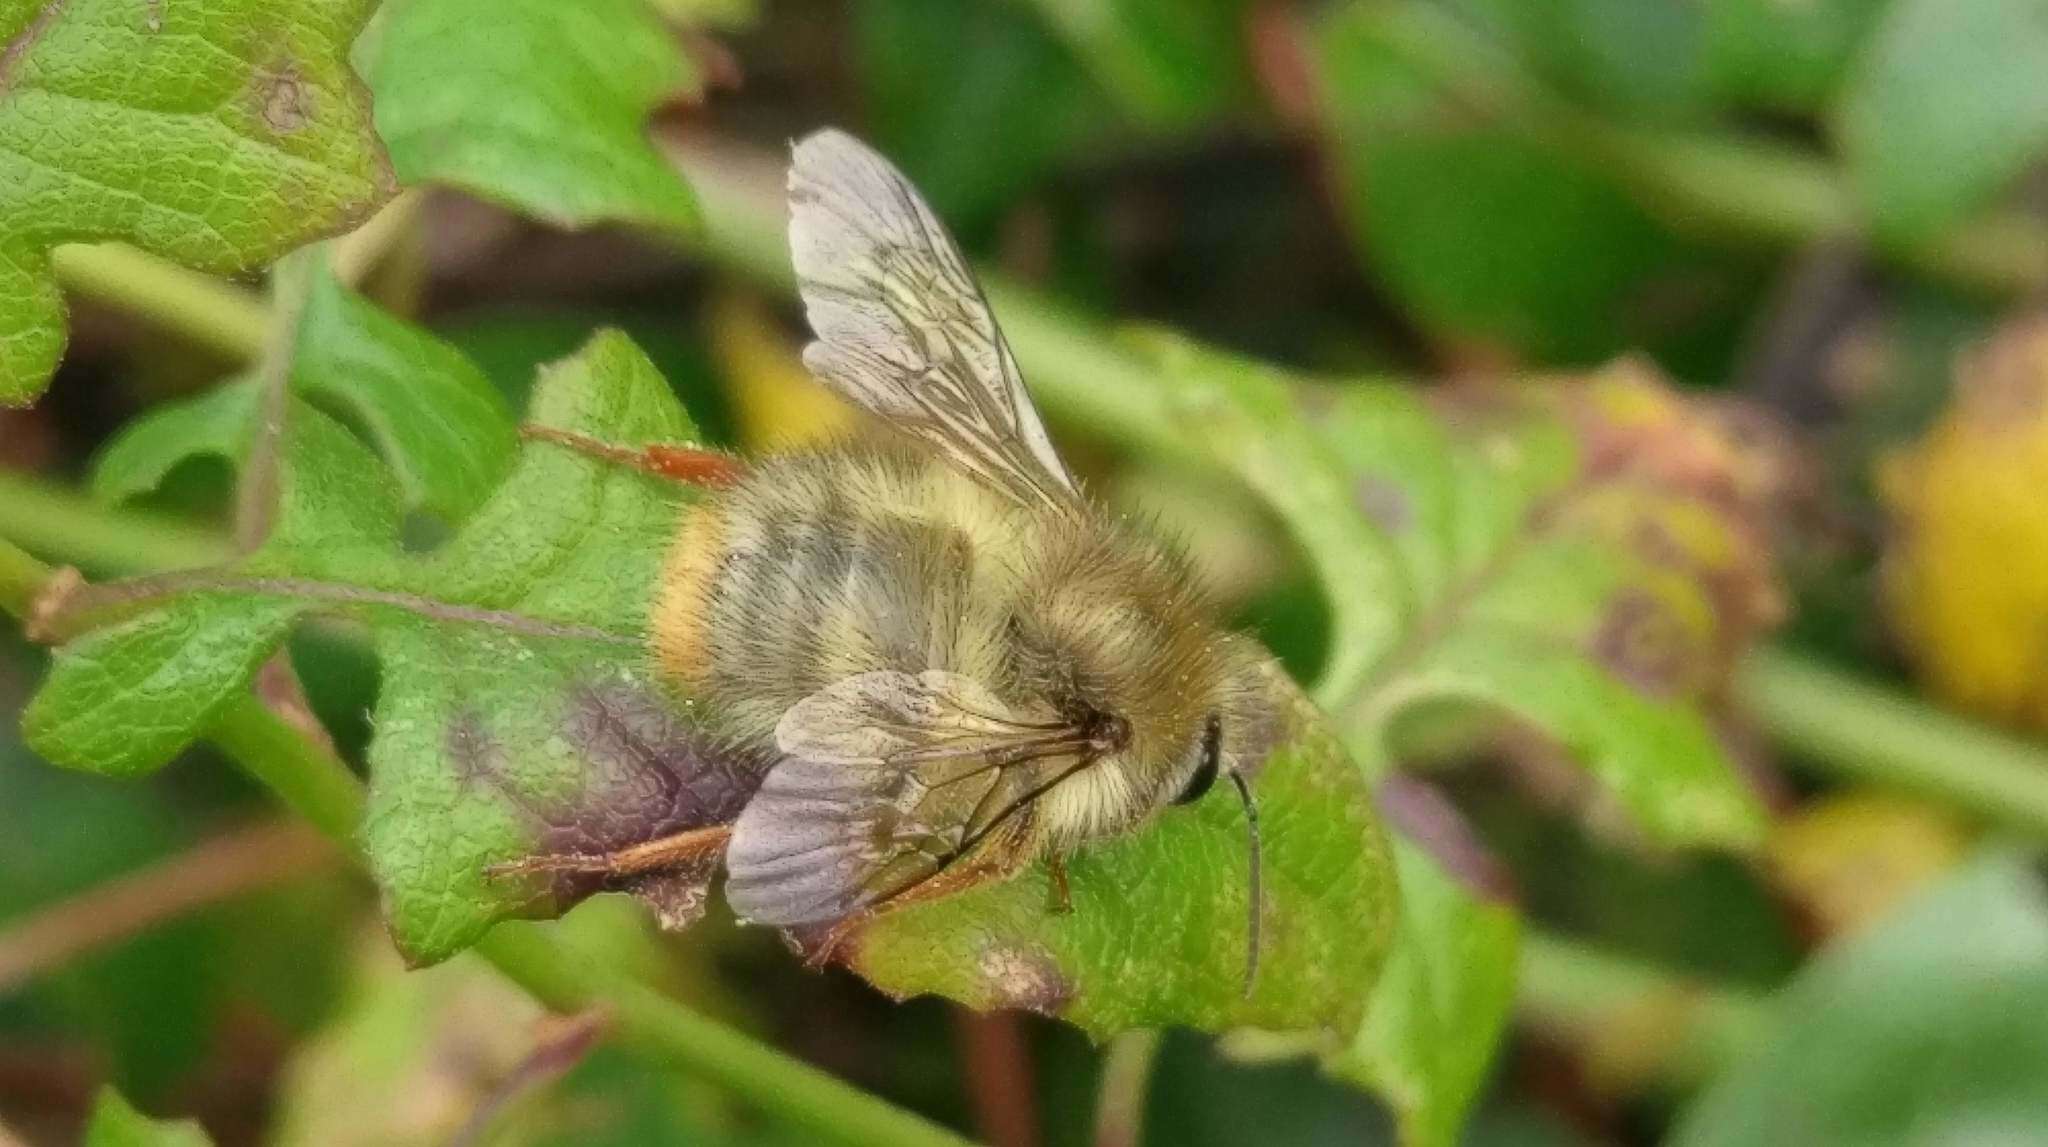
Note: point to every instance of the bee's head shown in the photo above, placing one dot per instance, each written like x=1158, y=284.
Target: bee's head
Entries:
x=1239, y=720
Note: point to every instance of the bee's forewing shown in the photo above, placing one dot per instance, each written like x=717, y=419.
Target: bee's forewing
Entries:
x=887, y=715
x=903, y=330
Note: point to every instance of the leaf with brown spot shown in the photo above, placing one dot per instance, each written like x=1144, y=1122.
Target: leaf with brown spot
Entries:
x=1587, y=555
x=517, y=714
x=219, y=133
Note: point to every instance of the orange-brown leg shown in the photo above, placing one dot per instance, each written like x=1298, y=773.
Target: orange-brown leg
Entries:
x=998, y=856
x=633, y=860
x=675, y=463
x=1060, y=898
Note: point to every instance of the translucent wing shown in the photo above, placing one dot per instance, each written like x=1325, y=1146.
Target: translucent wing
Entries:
x=903, y=330
x=887, y=778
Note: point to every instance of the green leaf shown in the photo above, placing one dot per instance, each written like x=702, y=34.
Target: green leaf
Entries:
x=1157, y=931
x=546, y=114
x=535, y=730
x=220, y=134
x=116, y=1124
x=126, y=698
x=1485, y=236
x=1948, y=106
x=1442, y=1004
x=1443, y=1000
x=438, y=421
x=1006, y=77
x=216, y=423
x=1924, y=1030
x=515, y=716
x=1789, y=57
x=1585, y=557
x=1634, y=59
x=1167, y=63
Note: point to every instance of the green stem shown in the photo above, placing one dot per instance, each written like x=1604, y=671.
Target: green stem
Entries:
x=311, y=781
x=356, y=254
x=1126, y=1086
x=1639, y=1024
x=63, y=525
x=660, y=1028
x=1746, y=187
x=1859, y=730
x=297, y=770
x=208, y=310
x=256, y=486
x=21, y=578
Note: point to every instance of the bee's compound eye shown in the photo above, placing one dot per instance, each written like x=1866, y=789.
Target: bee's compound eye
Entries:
x=1206, y=769
x=1205, y=775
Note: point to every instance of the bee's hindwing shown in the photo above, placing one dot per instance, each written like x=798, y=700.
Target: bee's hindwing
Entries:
x=887, y=778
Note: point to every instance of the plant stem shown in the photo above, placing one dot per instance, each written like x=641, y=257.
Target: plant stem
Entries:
x=318, y=787
x=1859, y=730
x=1742, y=186
x=208, y=310
x=256, y=487
x=1126, y=1084
x=229, y=865
x=357, y=253
x=21, y=578
x=659, y=1027
x=297, y=770
x=315, y=784
x=69, y=527
x=1639, y=1025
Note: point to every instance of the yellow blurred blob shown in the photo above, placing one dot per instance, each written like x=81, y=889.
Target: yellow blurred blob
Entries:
x=1850, y=858
x=1966, y=570
x=776, y=403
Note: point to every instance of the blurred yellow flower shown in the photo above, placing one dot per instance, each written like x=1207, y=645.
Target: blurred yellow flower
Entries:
x=1850, y=858
x=1966, y=568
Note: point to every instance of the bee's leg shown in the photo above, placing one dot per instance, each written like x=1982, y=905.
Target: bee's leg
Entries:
x=1060, y=899
x=685, y=464
x=634, y=860
x=1000, y=855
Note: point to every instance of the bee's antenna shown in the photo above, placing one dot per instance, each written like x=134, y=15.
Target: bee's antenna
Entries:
x=1251, y=829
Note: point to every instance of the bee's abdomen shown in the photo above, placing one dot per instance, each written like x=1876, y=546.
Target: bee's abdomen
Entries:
x=806, y=573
